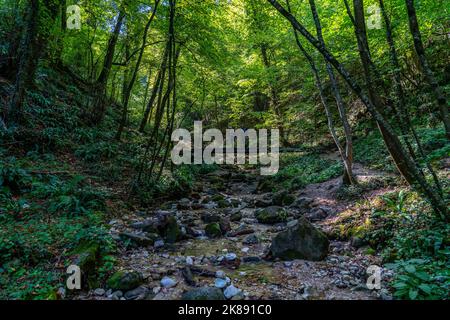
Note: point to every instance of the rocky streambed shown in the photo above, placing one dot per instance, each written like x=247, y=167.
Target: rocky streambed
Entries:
x=229, y=240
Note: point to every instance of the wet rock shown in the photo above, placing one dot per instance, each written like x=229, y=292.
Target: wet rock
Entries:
x=303, y=241
x=125, y=281
x=213, y=230
x=205, y=293
x=282, y=198
x=271, y=215
x=358, y=242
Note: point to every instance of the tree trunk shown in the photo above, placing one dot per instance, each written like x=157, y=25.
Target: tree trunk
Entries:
x=27, y=61
x=99, y=107
x=129, y=89
x=403, y=114
x=347, y=155
x=159, y=78
x=426, y=69
x=405, y=164
x=275, y=100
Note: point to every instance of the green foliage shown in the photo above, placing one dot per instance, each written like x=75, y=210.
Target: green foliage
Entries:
x=372, y=152
x=412, y=236
x=97, y=151
x=422, y=279
x=71, y=197
x=297, y=171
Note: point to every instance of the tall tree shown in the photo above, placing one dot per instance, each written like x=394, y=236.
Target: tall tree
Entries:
x=137, y=66
x=403, y=161
x=347, y=154
x=428, y=72
x=98, y=109
x=27, y=60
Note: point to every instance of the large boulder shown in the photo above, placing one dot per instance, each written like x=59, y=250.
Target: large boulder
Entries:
x=205, y=293
x=271, y=215
x=301, y=241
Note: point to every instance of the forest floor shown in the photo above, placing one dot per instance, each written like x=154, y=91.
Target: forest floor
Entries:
x=230, y=196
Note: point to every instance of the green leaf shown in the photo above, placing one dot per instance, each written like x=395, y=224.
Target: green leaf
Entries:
x=409, y=268
x=413, y=294
x=425, y=288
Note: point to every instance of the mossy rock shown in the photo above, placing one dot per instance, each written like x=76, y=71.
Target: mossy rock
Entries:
x=235, y=217
x=86, y=255
x=172, y=232
x=213, y=230
x=265, y=185
x=125, y=281
x=217, y=198
x=283, y=198
x=223, y=204
x=271, y=215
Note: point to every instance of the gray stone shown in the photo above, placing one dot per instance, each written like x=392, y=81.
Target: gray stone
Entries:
x=205, y=293
x=99, y=292
x=271, y=215
x=230, y=256
x=220, y=283
x=251, y=240
x=231, y=291
x=301, y=242
x=136, y=294
x=167, y=282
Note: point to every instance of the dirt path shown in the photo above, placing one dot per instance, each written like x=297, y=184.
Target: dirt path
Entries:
x=231, y=194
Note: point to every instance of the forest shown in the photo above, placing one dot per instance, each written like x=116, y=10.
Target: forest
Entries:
x=350, y=95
